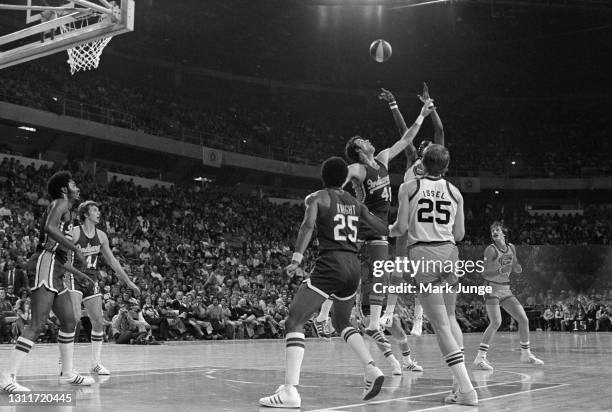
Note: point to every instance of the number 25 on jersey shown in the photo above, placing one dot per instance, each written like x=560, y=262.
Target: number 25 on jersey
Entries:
x=345, y=222
x=426, y=212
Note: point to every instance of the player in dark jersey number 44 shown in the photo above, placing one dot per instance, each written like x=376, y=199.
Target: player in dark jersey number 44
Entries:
x=92, y=242
x=336, y=274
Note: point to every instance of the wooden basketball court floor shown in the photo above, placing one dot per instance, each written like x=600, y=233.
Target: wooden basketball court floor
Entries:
x=233, y=375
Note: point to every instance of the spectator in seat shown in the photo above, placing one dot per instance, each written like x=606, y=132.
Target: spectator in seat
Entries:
x=190, y=317
x=14, y=277
x=215, y=314
x=548, y=318
x=24, y=314
x=591, y=314
x=235, y=317
x=199, y=312
x=125, y=329
x=153, y=318
x=558, y=318
x=602, y=321
x=7, y=317
x=230, y=332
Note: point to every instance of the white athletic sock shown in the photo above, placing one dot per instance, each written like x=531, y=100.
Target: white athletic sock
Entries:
x=96, y=345
x=66, y=346
x=294, y=353
x=390, y=357
x=374, y=316
x=22, y=348
x=457, y=365
x=325, y=308
x=418, y=309
x=525, y=348
x=355, y=341
x=482, y=351
x=391, y=301
x=405, y=348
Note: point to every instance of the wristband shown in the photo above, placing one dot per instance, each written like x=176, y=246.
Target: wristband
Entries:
x=419, y=120
x=297, y=257
x=393, y=105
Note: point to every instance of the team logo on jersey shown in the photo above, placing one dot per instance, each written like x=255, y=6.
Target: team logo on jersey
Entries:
x=89, y=250
x=374, y=185
x=505, y=260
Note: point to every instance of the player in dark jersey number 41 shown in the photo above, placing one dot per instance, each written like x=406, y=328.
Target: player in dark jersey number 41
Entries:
x=92, y=242
x=370, y=178
x=337, y=216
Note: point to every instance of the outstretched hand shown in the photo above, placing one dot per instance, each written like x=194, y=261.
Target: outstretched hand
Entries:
x=135, y=288
x=428, y=106
x=423, y=97
x=386, y=95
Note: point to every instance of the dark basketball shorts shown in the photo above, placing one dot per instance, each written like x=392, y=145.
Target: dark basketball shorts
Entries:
x=336, y=274
x=49, y=272
x=368, y=234
x=89, y=289
x=434, y=258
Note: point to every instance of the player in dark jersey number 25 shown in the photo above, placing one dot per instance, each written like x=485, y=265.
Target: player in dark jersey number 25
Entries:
x=337, y=271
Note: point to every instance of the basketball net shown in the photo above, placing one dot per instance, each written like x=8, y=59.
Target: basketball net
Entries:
x=85, y=56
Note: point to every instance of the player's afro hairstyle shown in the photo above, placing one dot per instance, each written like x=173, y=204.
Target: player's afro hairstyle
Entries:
x=351, y=150
x=58, y=181
x=436, y=159
x=334, y=172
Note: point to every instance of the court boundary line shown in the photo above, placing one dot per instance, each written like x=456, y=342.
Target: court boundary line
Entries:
x=433, y=408
x=402, y=398
x=407, y=398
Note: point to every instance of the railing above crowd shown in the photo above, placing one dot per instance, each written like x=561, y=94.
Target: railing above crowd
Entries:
x=264, y=132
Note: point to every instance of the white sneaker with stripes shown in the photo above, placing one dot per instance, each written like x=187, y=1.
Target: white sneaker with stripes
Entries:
x=286, y=396
x=99, y=369
x=373, y=379
x=396, y=367
x=9, y=384
x=379, y=338
x=481, y=363
x=470, y=398
x=78, y=380
x=530, y=358
x=412, y=365
x=322, y=329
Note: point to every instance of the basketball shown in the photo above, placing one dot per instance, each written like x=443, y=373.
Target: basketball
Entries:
x=380, y=50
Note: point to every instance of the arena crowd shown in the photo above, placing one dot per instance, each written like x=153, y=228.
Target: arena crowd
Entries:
x=209, y=262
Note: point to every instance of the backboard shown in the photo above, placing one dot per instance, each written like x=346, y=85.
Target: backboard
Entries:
x=58, y=25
